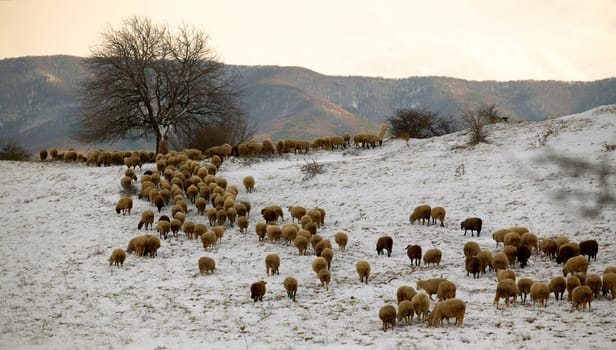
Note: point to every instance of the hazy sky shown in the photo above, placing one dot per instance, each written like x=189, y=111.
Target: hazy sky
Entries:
x=470, y=39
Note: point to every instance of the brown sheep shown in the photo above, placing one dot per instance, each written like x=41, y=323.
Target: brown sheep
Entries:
x=208, y=239
x=363, y=270
x=446, y=290
x=261, y=230
x=249, y=183
x=242, y=224
x=301, y=243
x=524, y=285
x=290, y=285
x=499, y=236
x=199, y=230
x=257, y=291
x=506, y=289
x=513, y=238
x=576, y=264
x=581, y=296
x=124, y=205
x=405, y=311
x=593, y=281
x=384, y=243
x=315, y=215
x=117, y=257
x=512, y=254
x=387, y=314
x=422, y=213
x=548, y=247
x=447, y=309
x=609, y=269
x=206, y=264
x=530, y=241
x=505, y=274
x=485, y=260
x=540, y=292
x=321, y=244
x=147, y=219
x=432, y=256
x=319, y=264
x=189, y=229
x=328, y=254
x=589, y=248
x=212, y=216
x=438, y=213
x=200, y=204
x=565, y=252
x=430, y=286
x=473, y=265
x=519, y=229
x=272, y=263
x=500, y=261
x=297, y=212
x=558, y=285
x=163, y=227
x=274, y=232
x=572, y=283
x=609, y=284
x=341, y=239
x=405, y=292
x=325, y=277
x=421, y=305
x=472, y=224
x=414, y=254
x=471, y=249
x=276, y=209
x=523, y=254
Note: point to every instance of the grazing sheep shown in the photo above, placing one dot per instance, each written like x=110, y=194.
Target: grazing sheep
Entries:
x=502, y=275
x=363, y=270
x=315, y=215
x=609, y=269
x=558, y=285
x=249, y=183
x=325, y=277
x=321, y=244
x=576, y=264
x=147, y=219
x=206, y=264
x=405, y=292
x=405, y=311
x=305, y=220
x=328, y=254
x=447, y=309
x=117, y=257
x=422, y=213
x=513, y=238
x=124, y=205
x=446, y=290
x=290, y=285
x=471, y=248
x=272, y=263
x=432, y=256
x=540, y=292
x=315, y=239
x=572, y=282
x=212, y=216
x=485, y=260
x=189, y=229
x=593, y=281
x=126, y=183
x=414, y=254
x=523, y=254
x=519, y=229
x=473, y=265
x=322, y=220
x=499, y=236
x=581, y=296
x=500, y=261
x=163, y=228
x=199, y=230
x=472, y=224
x=208, y=239
x=512, y=254
x=219, y=231
x=430, y=286
x=274, y=232
x=341, y=239
x=318, y=264
x=297, y=212
x=609, y=284
x=242, y=224
x=231, y=216
x=276, y=209
x=384, y=242
x=548, y=247
x=506, y=289
x=589, y=248
x=438, y=213
x=176, y=225
x=530, y=241
x=261, y=230
x=560, y=241
x=387, y=314
x=421, y=305
x=565, y=252
x=257, y=290
x=524, y=285
x=301, y=243
x=151, y=245
x=200, y=204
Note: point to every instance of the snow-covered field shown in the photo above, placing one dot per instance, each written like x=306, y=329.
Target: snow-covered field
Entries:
x=59, y=227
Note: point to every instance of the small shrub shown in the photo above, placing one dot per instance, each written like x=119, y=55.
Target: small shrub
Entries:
x=12, y=150
x=311, y=169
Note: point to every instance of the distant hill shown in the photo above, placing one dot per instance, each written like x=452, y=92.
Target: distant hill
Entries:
x=39, y=101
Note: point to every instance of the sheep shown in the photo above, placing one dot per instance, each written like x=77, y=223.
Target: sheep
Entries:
x=405, y=292
x=446, y=290
x=242, y=224
x=405, y=311
x=363, y=270
x=384, y=242
x=499, y=236
x=311, y=227
x=609, y=269
x=524, y=285
x=560, y=241
x=43, y=154
x=189, y=229
x=422, y=213
x=257, y=290
x=208, y=239
x=199, y=230
x=320, y=245
x=473, y=265
x=301, y=243
x=328, y=254
x=387, y=314
x=513, y=238
x=325, y=277
x=523, y=254
x=318, y=264
x=231, y=216
x=558, y=285
x=485, y=260
x=249, y=183
x=512, y=254
x=430, y=286
x=421, y=305
x=305, y=220
x=576, y=264
x=472, y=224
x=609, y=284
x=163, y=228
x=540, y=292
x=502, y=275
x=322, y=220
x=275, y=209
x=241, y=209
x=297, y=212
x=341, y=239
x=506, y=289
x=206, y=264
x=200, y=204
x=500, y=261
x=315, y=215
x=530, y=241
x=446, y=309
x=219, y=231
x=124, y=205
x=117, y=257
x=565, y=252
x=126, y=183
x=414, y=254
x=471, y=249
x=147, y=219
x=133, y=161
x=261, y=230
x=593, y=281
x=589, y=248
x=176, y=225
x=290, y=285
x=519, y=229
x=438, y=213
x=274, y=232
x=272, y=263
x=548, y=247
x=572, y=282
x=221, y=216
x=581, y=296
x=212, y=216
x=432, y=256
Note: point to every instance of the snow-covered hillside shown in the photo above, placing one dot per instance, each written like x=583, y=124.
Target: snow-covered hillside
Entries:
x=59, y=227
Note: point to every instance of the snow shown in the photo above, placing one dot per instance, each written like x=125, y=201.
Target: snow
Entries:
x=59, y=228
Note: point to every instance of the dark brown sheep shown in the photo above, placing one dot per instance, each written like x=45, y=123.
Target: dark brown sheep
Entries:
x=473, y=265
x=414, y=253
x=589, y=248
x=565, y=252
x=472, y=224
x=257, y=290
x=523, y=254
x=384, y=242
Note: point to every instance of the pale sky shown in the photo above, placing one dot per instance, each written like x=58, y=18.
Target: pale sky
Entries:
x=468, y=39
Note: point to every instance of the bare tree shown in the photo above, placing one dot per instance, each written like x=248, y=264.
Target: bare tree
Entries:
x=417, y=123
x=145, y=80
